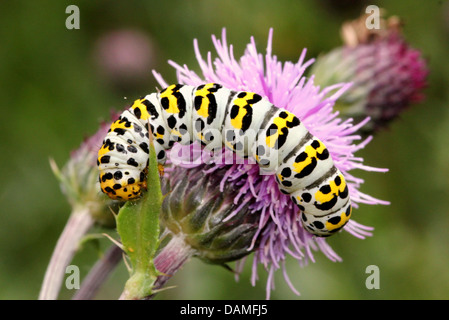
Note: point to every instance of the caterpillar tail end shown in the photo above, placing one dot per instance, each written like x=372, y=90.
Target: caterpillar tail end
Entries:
x=120, y=190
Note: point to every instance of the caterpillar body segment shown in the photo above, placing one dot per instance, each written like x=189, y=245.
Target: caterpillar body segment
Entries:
x=243, y=122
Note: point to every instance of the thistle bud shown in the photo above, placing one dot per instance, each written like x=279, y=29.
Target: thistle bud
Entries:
x=388, y=75
x=206, y=216
x=79, y=180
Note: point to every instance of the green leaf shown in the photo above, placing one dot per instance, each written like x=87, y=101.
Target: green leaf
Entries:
x=138, y=227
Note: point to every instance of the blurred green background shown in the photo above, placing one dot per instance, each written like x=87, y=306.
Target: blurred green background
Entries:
x=56, y=86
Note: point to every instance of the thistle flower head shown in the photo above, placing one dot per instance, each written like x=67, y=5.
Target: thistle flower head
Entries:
x=388, y=75
x=279, y=232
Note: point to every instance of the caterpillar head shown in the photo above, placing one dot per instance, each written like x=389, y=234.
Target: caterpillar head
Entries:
x=325, y=226
x=117, y=187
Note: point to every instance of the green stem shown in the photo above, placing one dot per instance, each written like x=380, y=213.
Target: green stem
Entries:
x=168, y=261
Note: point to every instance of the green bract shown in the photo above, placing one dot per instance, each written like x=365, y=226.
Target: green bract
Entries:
x=138, y=227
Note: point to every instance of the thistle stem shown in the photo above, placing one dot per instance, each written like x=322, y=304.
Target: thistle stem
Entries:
x=80, y=221
x=171, y=258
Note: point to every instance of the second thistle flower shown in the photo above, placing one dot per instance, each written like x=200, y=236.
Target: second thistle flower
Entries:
x=388, y=75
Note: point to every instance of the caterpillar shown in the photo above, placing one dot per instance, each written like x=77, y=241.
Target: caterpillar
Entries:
x=245, y=123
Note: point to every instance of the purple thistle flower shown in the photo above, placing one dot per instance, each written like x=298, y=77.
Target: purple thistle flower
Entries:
x=280, y=232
